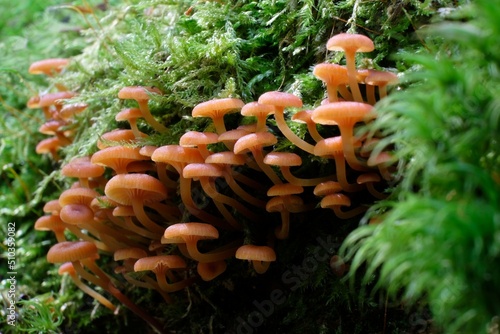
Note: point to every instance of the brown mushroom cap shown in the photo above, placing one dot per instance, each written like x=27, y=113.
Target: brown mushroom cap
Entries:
x=116, y=137
x=138, y=93
x=350, y=43
x=48, y=66
x=82, y=167
x=195, y=138
x=127, y=188
x=217, y=108
x=280, y=99
x=159, y=262
x=256, y=253
x=56, y=98
x=77, y=196
x=117, y=157
x=183, y=231
x=335, y=200
x=197, y=170
x=70, y=251
x=226, y=157
x=344, y=113
x=283, y=159
x=254, y=141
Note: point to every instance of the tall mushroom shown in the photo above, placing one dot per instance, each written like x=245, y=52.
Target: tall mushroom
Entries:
x=142, y=95
x=281, y=101
x=137, y=190
x=345, y=115
x=351, y=44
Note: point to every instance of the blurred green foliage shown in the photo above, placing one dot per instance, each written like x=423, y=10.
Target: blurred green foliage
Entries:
x=440, y=229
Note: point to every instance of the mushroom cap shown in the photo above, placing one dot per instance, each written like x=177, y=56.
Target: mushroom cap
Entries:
x=292, y=203
x=254, y=140
x=129, y=253
x=159, y=263
x=123, y=211
x=331, y=74
x=327, y=188
x=147, y=150
x=335, y=200
x=195, y=138
x=53, y=207
x=285, y=189
x=288, y=159
x=380, y=78
x=280, y=99
x=256, y=253
x=257, y=109
x=233, y=135
x=48, y=66
x=33, y=102
x=82, y=167
x=75, y=214
x=66, y=268
x=48, y=145
x=128, y=188
x=350, y=43
x=179, y=233
x=217, y=108
x=116, y=137
x=128, y=114
x=77, y=196
x=52, y=127
x=138, y=93
x=226, y=157
x=329, y=146
x=344, y=113
x=54, y=98
x=49, y=223
x=177, y=153
x=197, y=170
x=101, y=203
x=383, y=158
x=117, y=157
x=303, y=116
x=70, y=251
x=368, y=177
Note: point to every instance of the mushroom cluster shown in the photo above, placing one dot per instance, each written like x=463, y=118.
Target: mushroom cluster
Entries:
x=58, y=115
x=179, y=213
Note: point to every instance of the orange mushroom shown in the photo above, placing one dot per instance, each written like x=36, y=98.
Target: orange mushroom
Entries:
x=142, y=95
x=216, y=109
x=345, y=115
x=137, y=190
x=281, y=101
x=351, y=44
x=192, y=232
x=260, y=256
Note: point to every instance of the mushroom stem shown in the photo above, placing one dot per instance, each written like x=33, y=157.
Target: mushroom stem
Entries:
x=145, y=220
x=352, y=73
x=209, y=187
x=185, y=188
x=261, y=266
x=279, y=116
x=287, y=174
x=220, y=254
x=143, y=105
